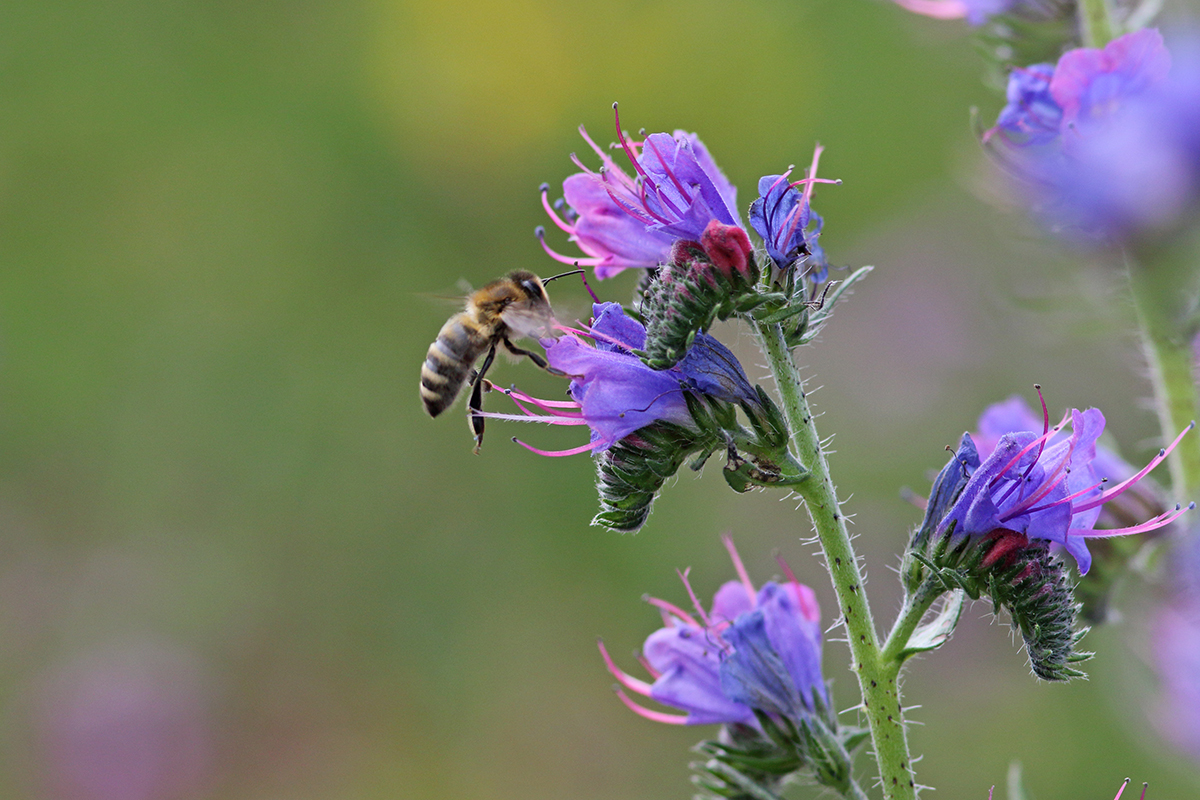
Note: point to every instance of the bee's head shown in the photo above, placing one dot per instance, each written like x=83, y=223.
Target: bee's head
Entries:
x=530, y=285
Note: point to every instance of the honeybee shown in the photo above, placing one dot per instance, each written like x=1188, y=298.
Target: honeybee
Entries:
x=512, y=307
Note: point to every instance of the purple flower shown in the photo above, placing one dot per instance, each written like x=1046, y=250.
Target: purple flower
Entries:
x=621, y=221
x=975, y=11
x=614, y=393
x=1031, y=116
x=1043, y=489
x=752, y=650
x=1108, y=140
x=783, y=216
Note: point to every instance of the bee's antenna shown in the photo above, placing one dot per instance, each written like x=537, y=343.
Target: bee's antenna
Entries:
x=582, y=273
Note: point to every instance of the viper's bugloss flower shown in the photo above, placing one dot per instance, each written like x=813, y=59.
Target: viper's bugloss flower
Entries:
x=621, y=221
x=975, y=12
x=1107, y=141
x=614, y=394
x=1032, y=488
x=783, y=216
x=752, y=650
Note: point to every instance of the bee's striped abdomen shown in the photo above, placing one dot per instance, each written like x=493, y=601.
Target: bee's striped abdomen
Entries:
x=448, y=363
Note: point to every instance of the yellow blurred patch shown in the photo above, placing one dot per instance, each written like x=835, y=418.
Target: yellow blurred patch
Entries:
x=466, y=87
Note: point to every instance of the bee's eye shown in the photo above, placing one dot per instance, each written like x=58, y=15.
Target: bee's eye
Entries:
x=532, y=288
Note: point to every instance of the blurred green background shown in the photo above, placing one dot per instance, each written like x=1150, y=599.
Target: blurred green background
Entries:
x=236, y=558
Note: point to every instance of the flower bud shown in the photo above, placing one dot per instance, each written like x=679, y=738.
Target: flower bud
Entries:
x=704, y=281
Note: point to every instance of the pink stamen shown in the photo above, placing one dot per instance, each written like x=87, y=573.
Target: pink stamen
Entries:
x=628, y=681
x=529, y=417
x=643, y=215
x=554, y=214
x=1045, y=430
x=740, y=569
x=1069, y=498
x=683, y=576
x=625, y=145
x=812, y=174
x=555, y=412
x=671, y=608
x=1026, y=449
x=646, y=665
x=1052, y=481
x=1121, y=791
x=547, y=404
x=1162, y=520
x=587, y=262
x=583, y=448
x=783, y=565
x=605, y=158
x=938, y=9
x=1123, y=485
x=653, y=716
x=586, y=285
x=670, y=174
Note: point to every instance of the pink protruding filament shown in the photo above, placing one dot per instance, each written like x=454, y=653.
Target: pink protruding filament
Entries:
x=546, y=404
x=671, y=608
x=583, y=448
x=588, y=286
x=528, y=417
x=625, y=679
x=646, y=665
x=1069, y=498
x=1045, y=430
x=560, y=258
x=554, y=214
x=783, y=565
x=938, y=9
x=1163, y=519
x=625, y=145
x=1121, y=791
x=653, y=716
x=1104, y=497
x=683, y=576
x=554, y=412
x=1013, y=462
x=812, y=174
x=1060, y=474
x=670, y=174
x=740, y=568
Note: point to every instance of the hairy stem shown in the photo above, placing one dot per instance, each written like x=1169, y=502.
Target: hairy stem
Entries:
x=915, y=606
x=1095, y=23
x=878, y=679
x=1163, y=288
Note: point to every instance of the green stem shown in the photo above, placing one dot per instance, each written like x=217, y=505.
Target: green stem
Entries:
x=1095, y=23
x=878, y=679
x=913, y=610
x=1163, y=293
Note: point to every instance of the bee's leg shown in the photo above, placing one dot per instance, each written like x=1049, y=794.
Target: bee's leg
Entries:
x=476, y=404
x=534, y=357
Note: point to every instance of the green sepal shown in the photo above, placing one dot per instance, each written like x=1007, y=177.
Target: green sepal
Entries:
x=933, y=634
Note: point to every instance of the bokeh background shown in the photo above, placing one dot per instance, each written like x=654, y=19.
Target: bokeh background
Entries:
x=236, y=558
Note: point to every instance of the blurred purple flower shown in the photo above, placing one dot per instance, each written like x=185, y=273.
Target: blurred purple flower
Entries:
x=782, y=216
x=1048, y=490
x=1109, y=145
x=714, y=666
x=975, y=12
x=1031, y=116
x=621, y=221
x=1175, y=639
x=125, y=724
x=614, y=393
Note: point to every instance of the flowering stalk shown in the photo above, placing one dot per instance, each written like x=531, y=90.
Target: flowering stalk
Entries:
x=1161, y=292
x=877, y=677
x=1095, y=23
